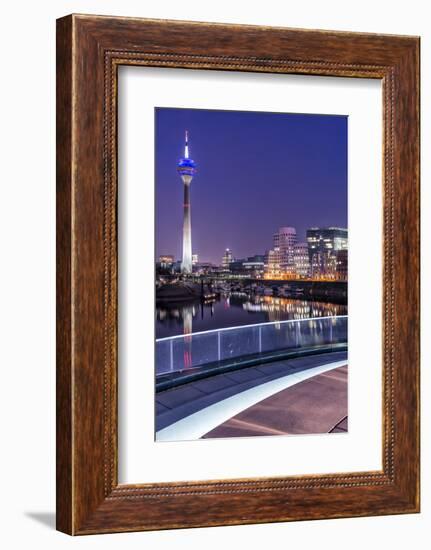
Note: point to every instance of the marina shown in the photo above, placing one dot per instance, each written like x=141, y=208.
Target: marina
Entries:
x=237, y=307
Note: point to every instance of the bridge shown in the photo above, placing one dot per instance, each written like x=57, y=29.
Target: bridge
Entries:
x=205, y=380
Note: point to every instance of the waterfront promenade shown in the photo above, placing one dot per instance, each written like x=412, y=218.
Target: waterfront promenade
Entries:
x=274, y=378
x=313, y=406
x=299, y=395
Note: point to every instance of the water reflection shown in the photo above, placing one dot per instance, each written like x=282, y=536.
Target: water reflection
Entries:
x=237, y=309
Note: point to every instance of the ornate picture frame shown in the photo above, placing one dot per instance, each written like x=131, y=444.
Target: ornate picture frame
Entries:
x=89, y=51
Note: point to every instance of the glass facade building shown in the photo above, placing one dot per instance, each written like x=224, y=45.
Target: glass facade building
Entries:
x=327, y=252
x=301, y=260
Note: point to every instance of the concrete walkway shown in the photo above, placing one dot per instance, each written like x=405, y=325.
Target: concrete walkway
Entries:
x=317, y=405
x=182, y=402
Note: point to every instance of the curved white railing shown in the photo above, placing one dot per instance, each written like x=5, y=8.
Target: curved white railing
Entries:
x=190, y=351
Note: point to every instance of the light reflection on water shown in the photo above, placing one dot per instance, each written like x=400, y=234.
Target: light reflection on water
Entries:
x=237, y=310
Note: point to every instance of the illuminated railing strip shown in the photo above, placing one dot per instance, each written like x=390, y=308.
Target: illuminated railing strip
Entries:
x=196, y=350
x=192, y=334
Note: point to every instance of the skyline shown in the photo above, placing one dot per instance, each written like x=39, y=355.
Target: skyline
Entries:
x=257, y=172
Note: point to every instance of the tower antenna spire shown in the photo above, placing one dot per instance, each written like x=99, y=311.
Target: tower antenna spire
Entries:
x=186, y=148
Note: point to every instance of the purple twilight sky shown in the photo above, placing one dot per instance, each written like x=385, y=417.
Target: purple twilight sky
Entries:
x=256, y=172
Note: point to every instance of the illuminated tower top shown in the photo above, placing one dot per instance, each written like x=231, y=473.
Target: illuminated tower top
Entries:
x=186, y=166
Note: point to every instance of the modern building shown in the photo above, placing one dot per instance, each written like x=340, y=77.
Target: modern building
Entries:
x=177, y=266
x=256, y=262
x=166, y=261
x=327, y=252
x=227, y=259
x=284, y=242
x=205, y=268
x=253, y=266
x=187, y=169
x=195, y=259
x=342, y=264
x=301, y=260
x=272, y=264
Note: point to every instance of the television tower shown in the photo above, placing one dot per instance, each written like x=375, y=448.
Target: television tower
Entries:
x=187, y=169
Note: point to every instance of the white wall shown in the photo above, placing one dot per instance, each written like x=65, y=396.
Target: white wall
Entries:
x=27, y=218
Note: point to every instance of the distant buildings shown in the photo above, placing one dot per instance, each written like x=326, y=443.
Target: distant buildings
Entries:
x=284, y=242
x=227, y=259
x=301, y=260
x=206, y=268
x=255, y=263
x=327, y=251
x=342, y=264
x=166, y=261
x=253, y=266
x=272, y=264
x=324, y=256
x=280, y=260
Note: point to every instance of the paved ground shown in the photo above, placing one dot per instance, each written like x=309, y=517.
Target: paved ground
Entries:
x=317, y=405
x=177, y=403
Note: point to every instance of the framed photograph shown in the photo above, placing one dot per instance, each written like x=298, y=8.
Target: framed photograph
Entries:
x=237, y=274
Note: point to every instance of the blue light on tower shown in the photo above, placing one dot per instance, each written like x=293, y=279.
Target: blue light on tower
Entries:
x=187, y=169
x=186, y=166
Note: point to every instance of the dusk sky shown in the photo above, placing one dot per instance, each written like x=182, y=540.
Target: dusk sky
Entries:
x=256, y=172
